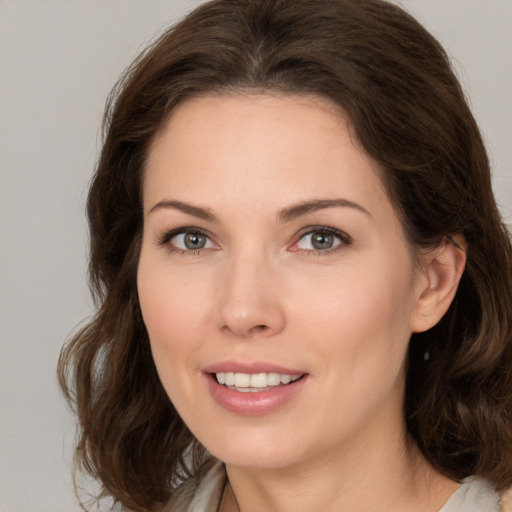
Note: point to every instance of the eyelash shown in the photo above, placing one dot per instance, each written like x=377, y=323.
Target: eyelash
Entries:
x=344, y=240
x=169, y=235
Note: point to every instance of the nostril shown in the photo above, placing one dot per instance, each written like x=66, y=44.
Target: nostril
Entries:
x=259, y=328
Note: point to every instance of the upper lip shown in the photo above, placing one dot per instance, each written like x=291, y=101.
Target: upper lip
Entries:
x=250, y=367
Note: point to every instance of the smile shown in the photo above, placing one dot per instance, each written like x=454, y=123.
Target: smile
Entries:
x=258, y=389
x=254, y=382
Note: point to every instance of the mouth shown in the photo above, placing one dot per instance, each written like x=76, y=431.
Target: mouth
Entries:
x=254, y=382
x=254, y=388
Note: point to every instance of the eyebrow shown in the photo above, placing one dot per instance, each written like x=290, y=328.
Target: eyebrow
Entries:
x=196, y=211
x=286, y=214
x=303, y=208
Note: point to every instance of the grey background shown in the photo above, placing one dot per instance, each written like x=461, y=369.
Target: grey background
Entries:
x=58, y=61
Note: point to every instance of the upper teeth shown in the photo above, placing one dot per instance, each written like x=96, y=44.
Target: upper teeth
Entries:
x=254, y=380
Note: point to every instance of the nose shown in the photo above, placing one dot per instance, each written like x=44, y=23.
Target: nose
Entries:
x=248, y=303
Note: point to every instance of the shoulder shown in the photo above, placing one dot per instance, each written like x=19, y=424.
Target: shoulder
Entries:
x=474, y=495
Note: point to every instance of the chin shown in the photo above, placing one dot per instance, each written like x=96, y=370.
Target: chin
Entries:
x=258, y=451
x=256, y=459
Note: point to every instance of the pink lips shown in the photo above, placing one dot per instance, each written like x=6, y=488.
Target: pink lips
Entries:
x=257, y=403
x=254, y=367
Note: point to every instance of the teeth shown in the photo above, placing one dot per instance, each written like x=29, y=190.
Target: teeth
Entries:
x=242, y=380
x=246, y=381
x=258, y=380
x=286, y=379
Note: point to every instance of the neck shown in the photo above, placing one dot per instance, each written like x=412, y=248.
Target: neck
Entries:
x=389, y=476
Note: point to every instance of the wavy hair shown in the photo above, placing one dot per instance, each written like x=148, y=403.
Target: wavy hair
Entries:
x=394, y=82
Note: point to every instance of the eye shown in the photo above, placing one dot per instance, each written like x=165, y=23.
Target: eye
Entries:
x=321, y=240
x=187, y=240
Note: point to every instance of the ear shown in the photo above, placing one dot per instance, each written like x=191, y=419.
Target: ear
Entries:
x=440, y=276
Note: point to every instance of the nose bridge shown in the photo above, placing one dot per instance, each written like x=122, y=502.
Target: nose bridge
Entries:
x=248, y=301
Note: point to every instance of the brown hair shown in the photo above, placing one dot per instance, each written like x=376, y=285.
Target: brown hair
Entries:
x=395, y=83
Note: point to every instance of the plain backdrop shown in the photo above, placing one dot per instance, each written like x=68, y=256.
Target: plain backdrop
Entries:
x=58, y=61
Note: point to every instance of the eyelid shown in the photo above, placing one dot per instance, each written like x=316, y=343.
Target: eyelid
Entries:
x=344, y=238
x=167, y=236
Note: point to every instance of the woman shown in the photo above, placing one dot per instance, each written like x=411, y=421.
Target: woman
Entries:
x=303, y=280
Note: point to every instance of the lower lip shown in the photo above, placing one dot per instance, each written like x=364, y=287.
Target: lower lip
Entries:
x=253, y=403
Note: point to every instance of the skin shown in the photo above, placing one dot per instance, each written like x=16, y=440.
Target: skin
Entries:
x=259, y=291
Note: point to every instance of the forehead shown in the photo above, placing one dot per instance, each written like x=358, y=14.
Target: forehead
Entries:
x=232, y=148
x=243, y=114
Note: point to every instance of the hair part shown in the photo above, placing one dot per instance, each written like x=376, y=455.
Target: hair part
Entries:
x=394, y=82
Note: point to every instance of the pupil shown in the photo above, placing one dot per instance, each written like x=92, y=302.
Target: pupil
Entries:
x=322, y=241
x=194, y=241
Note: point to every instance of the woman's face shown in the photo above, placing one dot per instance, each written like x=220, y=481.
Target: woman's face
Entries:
x=273, y=261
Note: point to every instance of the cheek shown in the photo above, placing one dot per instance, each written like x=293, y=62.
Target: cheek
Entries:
x=361, y=315
x=173, y=311
x=171, y=314
x=362, y=297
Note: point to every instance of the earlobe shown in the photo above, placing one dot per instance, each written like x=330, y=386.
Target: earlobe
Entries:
x=443, y=269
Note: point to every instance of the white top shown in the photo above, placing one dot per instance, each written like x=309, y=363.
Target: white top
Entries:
x=474, y=495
